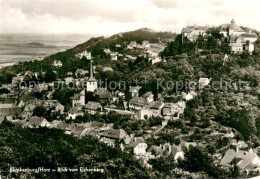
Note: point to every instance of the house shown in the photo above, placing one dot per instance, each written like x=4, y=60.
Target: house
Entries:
x=139, y=146
x=16, y=80
x=14, y=112
x=246, y=160
x=130, y=57
x=177, y=153
x=107, y=69
x=193, y=32
x=59, y=108
x=111, y=136
x=103, y=95
x=173, y=109
x=132, y=45
x=84, y=53
x=137, y=103
x=134, y=91
x=38, y=122
x=57, y=63
x=148, y=96
x=80, y=72
x=78, y=131
x=145, y=44
x=7, y=103
x=93, y=107
x=22, y=123
x=74, y=112
x=68, y=80
x=119, y=94
x=107, y=51
x=155, y=60
x=78, y=98
x=113, y=55
x=144, y=113
x=203, y=82
x=155, y=107
x=166, y=150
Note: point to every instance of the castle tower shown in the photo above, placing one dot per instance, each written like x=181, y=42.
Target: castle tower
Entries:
x=91, y=82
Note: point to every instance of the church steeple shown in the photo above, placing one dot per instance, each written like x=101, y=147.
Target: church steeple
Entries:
x=91, y=70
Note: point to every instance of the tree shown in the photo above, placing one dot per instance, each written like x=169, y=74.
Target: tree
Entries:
x=39, y=111
x=50, y=76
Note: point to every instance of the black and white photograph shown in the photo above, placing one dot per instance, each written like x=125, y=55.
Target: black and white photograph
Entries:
x=130, y=89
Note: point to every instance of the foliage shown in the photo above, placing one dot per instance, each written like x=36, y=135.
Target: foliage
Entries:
x=51, y=148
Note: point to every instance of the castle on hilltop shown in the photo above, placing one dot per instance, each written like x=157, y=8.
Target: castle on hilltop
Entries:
x=238, y=38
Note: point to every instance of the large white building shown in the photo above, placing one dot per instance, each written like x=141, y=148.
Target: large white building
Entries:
x=193, y=32
x=239, y=39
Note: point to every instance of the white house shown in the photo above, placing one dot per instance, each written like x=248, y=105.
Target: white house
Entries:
x=74, y=112
x=113, y=55
x=134, y=91
x=203, y=82
x=139, y=148
x=57, y=63
x=38, y=122
x=78, y=98
x=149, y=97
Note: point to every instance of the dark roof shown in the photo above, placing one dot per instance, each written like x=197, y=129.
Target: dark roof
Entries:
x=147, y=94
x=114, y=134
x=74, y=110
x=76, y=96
x=77, y=130
x=93, y=105
x=62, y=125
x=138, y=101
x=103, y=93
x=134, y=142
x=132, y=88
x=10, y=111
x=36, y=121
x=249, y=35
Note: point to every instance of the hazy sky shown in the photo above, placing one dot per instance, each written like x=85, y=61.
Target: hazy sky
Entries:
x=107, y=17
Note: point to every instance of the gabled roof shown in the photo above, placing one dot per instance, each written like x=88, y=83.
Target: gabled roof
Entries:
x=10, y=111
x=74, y=110
x=36, y=121
x=133, y=88
x=97, y=124
x=252, y=35
x=146, y=95
x=76, y=96
x=138, y=101
x=77, y=130
x=62, y=125
x=114, y=134
x=133, y=143
x=103, y=93
x=246, y=158
x=92, y=105
x=174, y=150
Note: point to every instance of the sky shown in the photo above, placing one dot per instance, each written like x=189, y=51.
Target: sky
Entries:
x=108, y=17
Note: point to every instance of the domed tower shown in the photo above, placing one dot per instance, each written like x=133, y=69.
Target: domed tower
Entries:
x=233, y=21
